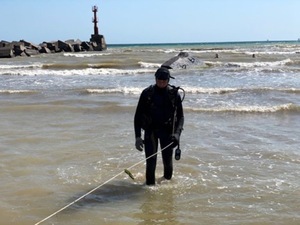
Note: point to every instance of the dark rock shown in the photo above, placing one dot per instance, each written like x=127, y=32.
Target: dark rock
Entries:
x=25, y=48
x=6, y=52
x=63, y=46
x=86, y=46
x=44, y=50
x=77, y=48
x=30, y=52
x=18, y=48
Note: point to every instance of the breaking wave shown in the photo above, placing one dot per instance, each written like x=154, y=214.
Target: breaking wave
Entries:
x=74, y=72
x=124, y=90
x=191, y=90
x=202, y=90
x=84, y=55
x=16, y=67
x=251, y=64
x=18, y=92
x=248, y=109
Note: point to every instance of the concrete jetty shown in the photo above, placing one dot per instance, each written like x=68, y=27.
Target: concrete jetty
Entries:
x=25, y=48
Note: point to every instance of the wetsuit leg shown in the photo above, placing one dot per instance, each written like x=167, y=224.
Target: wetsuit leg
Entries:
x=167, y=156
x=151, y=144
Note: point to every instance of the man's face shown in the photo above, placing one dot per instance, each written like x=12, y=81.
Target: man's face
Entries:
x=162, y=83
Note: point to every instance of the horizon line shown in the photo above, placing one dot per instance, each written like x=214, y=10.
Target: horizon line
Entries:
x=211, y=42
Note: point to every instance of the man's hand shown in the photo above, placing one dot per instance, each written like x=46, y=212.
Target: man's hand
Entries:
x=175, y=140
x=139, y=144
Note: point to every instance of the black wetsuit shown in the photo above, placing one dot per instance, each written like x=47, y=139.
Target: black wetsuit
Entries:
x=155, y=115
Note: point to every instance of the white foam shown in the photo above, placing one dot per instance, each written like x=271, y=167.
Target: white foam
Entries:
x=16, y=91
x=86, y=55
x=16, y=66
x=65, y=72
x=123, y=90
x=249, y=64
x=264, y=64
x=149, y=65
x=245, y=109
x=200, y=90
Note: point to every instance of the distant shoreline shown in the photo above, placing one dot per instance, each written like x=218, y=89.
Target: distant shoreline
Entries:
x=204, y=43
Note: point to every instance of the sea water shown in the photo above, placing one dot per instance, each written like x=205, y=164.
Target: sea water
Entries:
x=66, y=128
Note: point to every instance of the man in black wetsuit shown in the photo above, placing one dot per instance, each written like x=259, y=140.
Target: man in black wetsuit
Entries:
x=159, y=113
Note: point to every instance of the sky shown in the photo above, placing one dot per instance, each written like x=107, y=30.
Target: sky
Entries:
x=150, y=21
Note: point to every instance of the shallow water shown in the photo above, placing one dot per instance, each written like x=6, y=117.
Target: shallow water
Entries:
x=67, y=127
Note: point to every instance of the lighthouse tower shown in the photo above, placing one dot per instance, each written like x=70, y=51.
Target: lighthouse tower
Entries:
x=97, y=39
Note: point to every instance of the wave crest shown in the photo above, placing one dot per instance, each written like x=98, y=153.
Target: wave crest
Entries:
x=18, y=92
x=249, y=109
x=123, y=90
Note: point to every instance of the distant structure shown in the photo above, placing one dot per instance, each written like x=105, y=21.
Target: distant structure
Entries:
x=96, y=37
x=25, y=48
x=95, y=20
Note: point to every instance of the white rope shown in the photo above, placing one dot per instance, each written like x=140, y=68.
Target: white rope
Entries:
x=78, y=199
x=91, y=191
x=149, y=156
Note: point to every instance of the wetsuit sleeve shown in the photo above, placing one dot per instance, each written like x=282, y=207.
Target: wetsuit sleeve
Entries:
x=179, y=115
x=138, y=115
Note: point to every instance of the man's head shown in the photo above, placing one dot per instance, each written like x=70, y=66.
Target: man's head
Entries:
x=162, y=77
x=162, y=74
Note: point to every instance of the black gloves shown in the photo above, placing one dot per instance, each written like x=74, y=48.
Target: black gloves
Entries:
x=175, y=140
x=139, y=143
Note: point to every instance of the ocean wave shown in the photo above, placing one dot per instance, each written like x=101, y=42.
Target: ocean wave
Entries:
x=293, y=63
x=261, y=64
x=74, y=72
x=17, y=66
x=248, y=64
x=214, y=50
x=148, y=65
x=137, y=91
x=115, y=65
x=248, y=109
x=122, y=90
x=64, y=66
x=81, y=68
x=86, y=55
x=286, y=90
x=202, y=90
x=136, y=66
x=278, y=50
x=18, y=92
x=101, y=65
x=192, y=90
